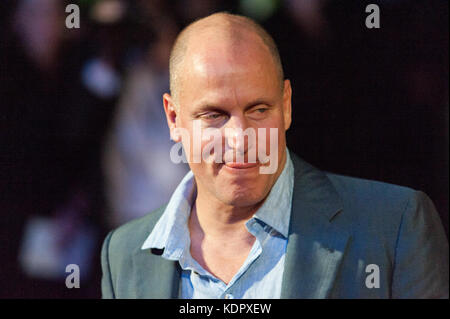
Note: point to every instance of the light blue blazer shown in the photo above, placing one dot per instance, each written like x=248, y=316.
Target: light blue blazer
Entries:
x=340, y=227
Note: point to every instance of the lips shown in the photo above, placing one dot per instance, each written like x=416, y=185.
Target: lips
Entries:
x=240, y=165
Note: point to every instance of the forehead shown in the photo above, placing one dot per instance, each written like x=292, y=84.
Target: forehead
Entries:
x=219, y=67
x=226, y=47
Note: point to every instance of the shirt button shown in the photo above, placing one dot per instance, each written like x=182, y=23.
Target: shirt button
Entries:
x=229, y=296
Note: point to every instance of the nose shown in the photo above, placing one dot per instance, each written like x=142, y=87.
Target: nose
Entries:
x=234, y=135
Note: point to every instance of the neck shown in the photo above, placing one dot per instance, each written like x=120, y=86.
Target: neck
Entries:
x=215, y=219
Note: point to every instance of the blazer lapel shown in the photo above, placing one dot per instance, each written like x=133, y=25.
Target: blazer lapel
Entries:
x=315, y=245
x=156, y=277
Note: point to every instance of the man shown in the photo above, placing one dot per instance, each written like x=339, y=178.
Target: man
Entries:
x=230, y=231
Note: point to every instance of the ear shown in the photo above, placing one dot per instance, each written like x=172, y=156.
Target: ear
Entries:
x=287, y=106
x=171, y=115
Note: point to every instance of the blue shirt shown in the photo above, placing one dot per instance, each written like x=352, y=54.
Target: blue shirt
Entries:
x=261, y=274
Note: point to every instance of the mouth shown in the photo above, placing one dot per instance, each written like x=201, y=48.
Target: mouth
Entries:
x=238, y=166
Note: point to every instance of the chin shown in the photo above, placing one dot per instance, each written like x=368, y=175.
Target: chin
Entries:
x=242, y=198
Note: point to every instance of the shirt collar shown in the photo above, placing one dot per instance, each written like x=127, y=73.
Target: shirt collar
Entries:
x=171, y=233
x=276, y=209
x=170, y=230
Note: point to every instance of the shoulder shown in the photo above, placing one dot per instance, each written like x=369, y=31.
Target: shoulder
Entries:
x=130, y=236
x=375, y=206
x=119, y=250
x=357, y=195
x=365, y=191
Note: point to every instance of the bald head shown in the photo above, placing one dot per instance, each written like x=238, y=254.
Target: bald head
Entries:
x=227, y=33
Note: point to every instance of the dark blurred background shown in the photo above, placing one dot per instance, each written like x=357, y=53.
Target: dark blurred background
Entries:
x=84, y=143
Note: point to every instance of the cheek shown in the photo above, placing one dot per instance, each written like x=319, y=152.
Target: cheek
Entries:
x=272, y=135
x=199, y=148
x=188, y=137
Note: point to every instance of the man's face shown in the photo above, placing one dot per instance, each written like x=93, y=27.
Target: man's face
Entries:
x=228, y=91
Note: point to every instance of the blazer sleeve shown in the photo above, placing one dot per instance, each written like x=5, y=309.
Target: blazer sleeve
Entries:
x=107, y=286
x=421, y=266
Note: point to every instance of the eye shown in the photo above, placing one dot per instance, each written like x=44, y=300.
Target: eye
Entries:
x=258, y=113
x=212, y=116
